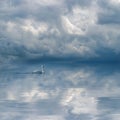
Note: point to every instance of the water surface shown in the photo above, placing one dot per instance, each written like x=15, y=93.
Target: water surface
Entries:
x=65, y=92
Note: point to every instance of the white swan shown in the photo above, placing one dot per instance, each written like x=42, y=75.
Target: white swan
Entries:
x=42, y=71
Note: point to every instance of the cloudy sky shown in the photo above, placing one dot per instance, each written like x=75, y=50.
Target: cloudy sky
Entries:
x=83, y=29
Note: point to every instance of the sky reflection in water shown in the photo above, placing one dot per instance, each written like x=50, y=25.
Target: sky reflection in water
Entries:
x=64, y=92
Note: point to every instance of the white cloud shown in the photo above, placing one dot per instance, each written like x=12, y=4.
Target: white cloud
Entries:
x=78, y=76
x=115, y=2
x=77, y=47
x=79, y=102
x=33, y=95
x=79, y=20
x=37, y=29
x=28, y=95
x=70, y=28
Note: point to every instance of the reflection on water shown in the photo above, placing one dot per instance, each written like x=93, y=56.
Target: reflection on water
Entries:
x=64, y=92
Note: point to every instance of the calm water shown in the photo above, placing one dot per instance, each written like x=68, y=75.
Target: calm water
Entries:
x=64, y=92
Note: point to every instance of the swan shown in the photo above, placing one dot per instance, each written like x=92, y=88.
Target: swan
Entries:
x=39, y=71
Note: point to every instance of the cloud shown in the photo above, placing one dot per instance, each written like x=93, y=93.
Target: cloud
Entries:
x=63, y=29
x=79, y=20
x=78, y=102
x=109, y=12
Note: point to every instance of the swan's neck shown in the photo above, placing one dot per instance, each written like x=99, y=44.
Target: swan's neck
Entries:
x=42, y=69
